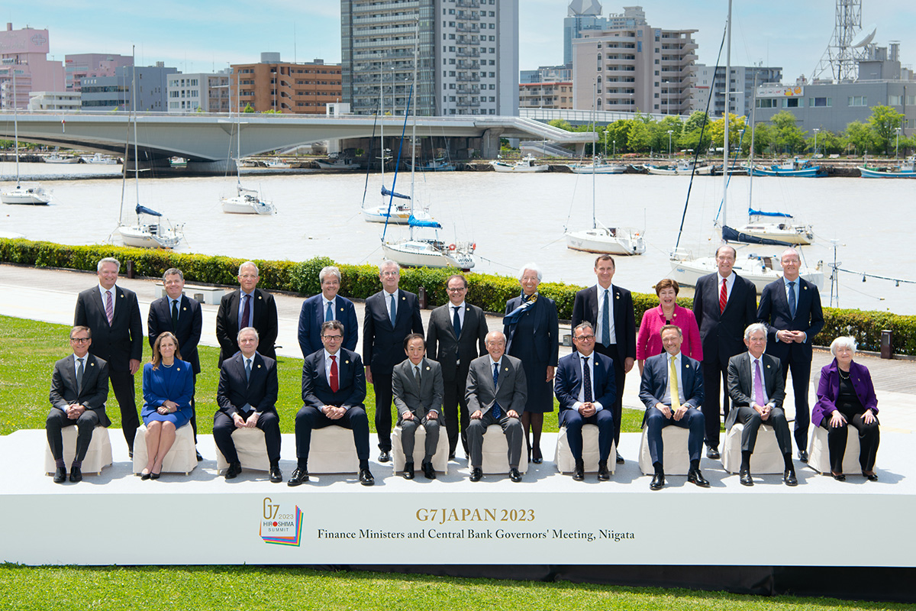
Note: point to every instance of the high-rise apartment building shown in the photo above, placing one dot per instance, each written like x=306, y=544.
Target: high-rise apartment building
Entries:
x=200, y=92
x=297, y=88
x=24, y=53
x=82, y=65
x=548, y=94
x=585, y=16
x=741, y=84
x=467, y=56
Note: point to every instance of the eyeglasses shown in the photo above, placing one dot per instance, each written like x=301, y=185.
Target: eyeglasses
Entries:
x=80, y=340
x=333, y=338
x=387, y=274
x=457, y=290
x=585, y=338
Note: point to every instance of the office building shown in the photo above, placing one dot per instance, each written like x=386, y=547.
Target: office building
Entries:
x=275, y=85
x=24, y=53
x=54, y=101
x=741, y=84
x=82, y=65
x=201, y=92
x=103, y=93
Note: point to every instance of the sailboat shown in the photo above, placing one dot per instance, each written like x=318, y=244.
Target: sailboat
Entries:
x=33, y=195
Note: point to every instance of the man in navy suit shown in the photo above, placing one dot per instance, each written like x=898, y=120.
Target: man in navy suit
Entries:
x=791, y=310
x=333, y=391
x=724, y=304
x=610, y=310
x=326, y=306
x=585, y=389
x=247, y=397
x=181, y=315
x=673, y=400
x=113, y=316
x=247, y=307
x=391, y=315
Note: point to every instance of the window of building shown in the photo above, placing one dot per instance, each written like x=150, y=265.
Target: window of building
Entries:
x=858, y=100
x=792, y=103
x=820, y=102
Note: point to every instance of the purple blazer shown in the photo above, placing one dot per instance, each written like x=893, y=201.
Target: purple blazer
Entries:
x=649, y=342
x=829, y=388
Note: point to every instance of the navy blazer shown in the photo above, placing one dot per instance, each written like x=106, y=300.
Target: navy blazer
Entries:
x=259, y=392
x=64, y=389
x=264, y=320
x=774, y=313
x=546, y=329
x=722, y=333
x=654, y=382
x=585, y=308
x=443, y=347
x=311, y=317
x=383, y=344
x=569, y=381
x=190, y=325
x=123, y=340
x=740, y=385
x=351, y=388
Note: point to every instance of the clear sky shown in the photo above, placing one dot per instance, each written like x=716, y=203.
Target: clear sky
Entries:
x=202, y=35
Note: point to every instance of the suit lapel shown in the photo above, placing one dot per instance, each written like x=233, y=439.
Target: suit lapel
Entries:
x=744, y=372
x=594, y=304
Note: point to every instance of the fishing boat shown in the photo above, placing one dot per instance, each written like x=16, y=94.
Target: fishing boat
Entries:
x=598, y=166
x=440, y=164
x=99, y=159
x=798, y=168
x=28, y=194
x=337, y=163
x=905, y=170
x=525, y=165
x=682, y=168
x=61, y=159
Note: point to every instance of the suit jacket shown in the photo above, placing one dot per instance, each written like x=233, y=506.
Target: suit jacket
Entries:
x=190, y=324
x=828, y=389
x=258, y=393
x=546, y=329
x=422, y=399
x=722, y=333
x=311, y=317
x=448, y=350
x=351, y=388
x=264, y=319
x=383, y=344
x=655, y=381
x=774, y=313
x=741, y=387
x=585, y=307
x=569, y=381
x=64, y=389
x=123, y=340
x=511, y=391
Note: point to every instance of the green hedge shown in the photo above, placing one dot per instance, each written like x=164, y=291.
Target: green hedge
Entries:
x=490, y=292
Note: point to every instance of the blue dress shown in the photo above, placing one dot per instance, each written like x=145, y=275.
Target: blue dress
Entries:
x=175, y=383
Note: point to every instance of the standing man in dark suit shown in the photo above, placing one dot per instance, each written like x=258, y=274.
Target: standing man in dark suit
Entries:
x=333, y=391
x=758, y=388
x=724, y=305
x=417, y=388
x=584, y=386
x=319, y=309
x=391, y=315
x=247, y=397
x=79, y=389
x=113, y=316
x=180, y=314
x=247, y=307
x=791, y=309
x=496, y=393
x=456, y=336
x=610, y=310
x=672, y=390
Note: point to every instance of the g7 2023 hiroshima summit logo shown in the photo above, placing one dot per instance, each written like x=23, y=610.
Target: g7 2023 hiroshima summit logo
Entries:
x=280, y=524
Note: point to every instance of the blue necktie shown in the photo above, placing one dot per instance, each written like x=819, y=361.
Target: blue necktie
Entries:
x=792, y=298
x=329, y=313
x=456, y=323
x=495, y=411
x=394, y=311
x=606, y=321
x=247, y=369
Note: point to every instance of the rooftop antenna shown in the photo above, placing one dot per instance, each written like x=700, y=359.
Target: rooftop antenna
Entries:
x=847, y=45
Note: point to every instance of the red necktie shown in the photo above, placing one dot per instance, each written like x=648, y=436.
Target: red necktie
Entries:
x=333, y=377
x=723, y=297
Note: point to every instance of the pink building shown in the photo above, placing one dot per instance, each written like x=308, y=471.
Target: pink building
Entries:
x=24, y=52
x=90, y=65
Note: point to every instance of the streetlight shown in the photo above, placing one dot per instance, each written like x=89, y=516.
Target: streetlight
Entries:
x=897, y=145
x=816, y=129
x=669, y=142
x=615, y=149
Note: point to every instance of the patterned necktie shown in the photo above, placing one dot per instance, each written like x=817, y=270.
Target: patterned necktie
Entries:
x=416, y=374
x=456, y=323
x=792, y=298
x=109, y=307
x=247, y=369
x=174, y=315
x=495, y=410
x=758, y=384
x=246, y=312
x=79, y=376
x=672, y=384
x=586, y=381
x=394, y=310
x=606, y=320
x=329, y=313
x=723, y=296
x=334, y=381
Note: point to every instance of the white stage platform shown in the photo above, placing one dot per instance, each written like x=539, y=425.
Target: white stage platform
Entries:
x=546, y=519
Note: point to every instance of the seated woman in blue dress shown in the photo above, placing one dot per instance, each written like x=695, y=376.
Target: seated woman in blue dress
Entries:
x=168, y=385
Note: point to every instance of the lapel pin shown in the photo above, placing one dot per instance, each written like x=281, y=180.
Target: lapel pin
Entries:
x=403, y=298
x=178, y=369
x=259, y=296
x=686, y=365
x=341, y=309
x=259, y=366
x=185, y=309
x=804, y=288
x=347, y=362
x=427, y=368
x=506, y=369
x=122, y=296
x=768, y=366
x=92, y=364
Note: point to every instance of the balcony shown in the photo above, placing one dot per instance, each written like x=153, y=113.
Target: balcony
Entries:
x=381, y=8
x=471, y=29
x=463, y=102
x=464, y=78
x=468, y=53
x=465, y=16
x=469, y=3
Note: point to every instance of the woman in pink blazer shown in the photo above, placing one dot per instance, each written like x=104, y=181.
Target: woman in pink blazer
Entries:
x=648, y=340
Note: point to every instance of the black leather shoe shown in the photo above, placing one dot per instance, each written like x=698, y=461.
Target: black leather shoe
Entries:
x=620, y=459
x=155, y=475
x=234, y=470
x=300, y=476
x=712, y=453
x=789, y=478
x=604, y=473
x=870, y=476
x=144, y=476
x=803, y=456
x=658, y=481
x=408, y=471
x=514, y=475
x=428, y=470
x=695, y=477
x=365, y=478
x=579, y=473
x=451, y=456
x=476, y=474
x=76, y=475
x=199, y=457
x=746, y=479
x=538, y=457
x=384, y=456
x=840, y=477
x=60, y=475
x=276, y=476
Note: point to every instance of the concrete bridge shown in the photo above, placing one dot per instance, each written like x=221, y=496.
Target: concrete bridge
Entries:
x=208, y=140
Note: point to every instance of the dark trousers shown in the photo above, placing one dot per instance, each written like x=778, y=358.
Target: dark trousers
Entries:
x=692, y=420
x=122, y=383
x=310, y=418
x=57, y=419
x=715, y=383
x=383, y=398
x=455, y=411
x=749, y=417
x=223, y=427
x=620, y=378
x=574, y=421
x=869, y=438
x=801, y=375
x=512, y=429
x=409, y=435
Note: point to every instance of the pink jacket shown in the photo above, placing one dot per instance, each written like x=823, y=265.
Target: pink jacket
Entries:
x=649, y=343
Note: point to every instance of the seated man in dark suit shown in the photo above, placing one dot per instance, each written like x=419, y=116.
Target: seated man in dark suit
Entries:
x=496, y=393
x=333, y=391
x=757, y=389
x=586, y=391
x=79, y=389
x=417, y=387
x=325, y=306
x=673, y=399
x=247, y=397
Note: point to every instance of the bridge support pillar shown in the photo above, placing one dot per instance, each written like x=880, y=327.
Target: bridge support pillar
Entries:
x=489, y=143
x=221, y=166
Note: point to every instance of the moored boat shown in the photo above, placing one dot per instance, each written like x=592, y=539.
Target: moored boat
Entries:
x=905, y=170
x=525, y=165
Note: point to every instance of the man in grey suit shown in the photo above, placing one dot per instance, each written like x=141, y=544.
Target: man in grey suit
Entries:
x=497, y=390
x=456, y=336
x=757, y=388
x=416, y=385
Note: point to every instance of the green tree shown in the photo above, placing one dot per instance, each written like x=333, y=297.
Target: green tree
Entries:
x=860, y=137
x=639, y=137
x=690, y=133
x=827, y=143
x=616, y=136
x=788, y=137
x=884, y=122
x=248, y=108
x=735, y=126
x=762, y=136
x=562, y=124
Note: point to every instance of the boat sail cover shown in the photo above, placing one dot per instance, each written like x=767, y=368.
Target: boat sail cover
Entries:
x=732, y=235
x=144, y=210
x=393, y=194
x=752, y=212
x=415, y=222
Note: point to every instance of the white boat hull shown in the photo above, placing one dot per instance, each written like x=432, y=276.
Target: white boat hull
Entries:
x=247, y=205
x=62, y=160
x=420, y=253
x=30, y=196
x=380, y=215
x=755, y=269
x=798, y=235
x=600, y=169
x=604, y=241
x=144, y=236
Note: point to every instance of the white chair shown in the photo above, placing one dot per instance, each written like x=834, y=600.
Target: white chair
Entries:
x=495, y=452
x=440, y=458
x=675, y=459
x=564, y=458
x=819, y=452
x=332, y=451
x=181, y=457
x=250, y=446
x=767, y=457
x=98, y=456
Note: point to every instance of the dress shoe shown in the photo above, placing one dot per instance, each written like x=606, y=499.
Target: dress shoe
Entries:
x=76, y=475
x=803, y=456
x=712, y=453
x=789, y=478
x=870, y=476
x=603, y=473
x=199, y=457
x=276, y=476
x=658, y=481
x=300, y=476
x=60, y=475
x=384, y=456
x=538, y=457
x=476, y=474
x=130, y=454
x=365, y=478
x=154, y=475
x=408, y=470
x=144, y=476
x=234, y=470
x=746, y=479
x=840, y=477
x=514, y=475
x=620, y=459
x=579, y=473
x=695, y=477
x=451, y=456
x=428, y=470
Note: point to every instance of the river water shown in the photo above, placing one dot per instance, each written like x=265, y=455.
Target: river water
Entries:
x=514, y=219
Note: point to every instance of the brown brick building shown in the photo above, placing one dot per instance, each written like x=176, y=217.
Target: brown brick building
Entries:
x=296, y=88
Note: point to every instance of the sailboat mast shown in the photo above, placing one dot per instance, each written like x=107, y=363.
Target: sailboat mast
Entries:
x=594, y=159
x=133, y=105
x=750, y=169
x=381, y=95
x=413, y=129
x=728, y=70
x=15, y=123
x=238, y=130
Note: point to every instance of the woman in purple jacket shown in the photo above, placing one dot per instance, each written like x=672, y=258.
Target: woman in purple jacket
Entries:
x=846, y=395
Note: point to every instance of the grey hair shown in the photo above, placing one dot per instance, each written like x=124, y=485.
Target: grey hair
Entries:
x=751, y=329
x=252, y=264
x=245, y=330
x=388, y=263
x=844, y=340
x=330, y=269
x=533, y=267
x=116, y=263
x=173, y=271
